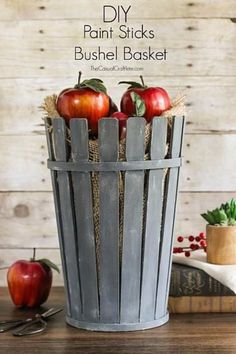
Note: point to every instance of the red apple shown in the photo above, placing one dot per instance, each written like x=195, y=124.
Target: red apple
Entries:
x=29, y=282
x=87, y=99
x=144, y=101
x=122, y=117
x=113, y=107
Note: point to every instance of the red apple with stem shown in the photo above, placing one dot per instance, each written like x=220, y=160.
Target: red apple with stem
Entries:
x=144, y=101
x=29, y=281
x=88, y=99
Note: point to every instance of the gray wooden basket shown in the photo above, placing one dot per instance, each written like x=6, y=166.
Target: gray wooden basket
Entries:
x=126, y=286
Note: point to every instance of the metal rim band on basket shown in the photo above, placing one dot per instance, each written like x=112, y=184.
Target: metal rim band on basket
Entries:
x=114, y=166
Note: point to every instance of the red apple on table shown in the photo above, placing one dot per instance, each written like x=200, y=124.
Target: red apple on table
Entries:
x=88, y=99
x=141, y=100
x=29, y=281
x=122, y=118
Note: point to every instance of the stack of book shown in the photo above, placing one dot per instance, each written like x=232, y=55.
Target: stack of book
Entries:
x=193, y=290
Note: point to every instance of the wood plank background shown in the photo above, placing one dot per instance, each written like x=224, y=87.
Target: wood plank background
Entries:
x=37, y=41
x=56, y=10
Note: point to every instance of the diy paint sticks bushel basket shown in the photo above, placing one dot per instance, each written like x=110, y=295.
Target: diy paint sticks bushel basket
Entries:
x=116, y=278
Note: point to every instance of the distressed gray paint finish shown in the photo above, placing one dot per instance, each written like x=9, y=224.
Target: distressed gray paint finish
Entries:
x=90, y=166
x=177, y=139
x=82, y=192
x=126, y=300
x=109, y=223
x=168, y=219
x=48, y=126
x=153, y=223
x=117, y=327
x=133, y=216
x=67, y=218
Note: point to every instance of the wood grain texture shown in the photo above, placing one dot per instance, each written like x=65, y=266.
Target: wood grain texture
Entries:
x=184, y=333
x=52, y=137
x=22, y=230
x=209, y=105
x=83, y=206
x=133, y=223
x=204, y=156
x=221, y=244
x=109, y=268
x=168, y=218
x=22, y=158
x=191, y=205
x=202, y=304
x=27, y=220
x=56, y=10
x=185, y=38
x=152, y=234
x=37, y=60
x=66, y=221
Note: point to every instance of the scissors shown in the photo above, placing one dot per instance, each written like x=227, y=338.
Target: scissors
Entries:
x=32, y=325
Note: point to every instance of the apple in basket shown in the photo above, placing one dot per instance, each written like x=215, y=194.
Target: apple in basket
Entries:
x=87, y=99
x=122, y=118
x=29, y=281
x=143, y=101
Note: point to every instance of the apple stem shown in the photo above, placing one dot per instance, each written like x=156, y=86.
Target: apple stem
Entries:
x=79, y=77
x=34, y=253
x=142, y=80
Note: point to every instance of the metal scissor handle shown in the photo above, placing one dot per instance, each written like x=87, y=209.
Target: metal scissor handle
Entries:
x=9, y=324
x=35, y=326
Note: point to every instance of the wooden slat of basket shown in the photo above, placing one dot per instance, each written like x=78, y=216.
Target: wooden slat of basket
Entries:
x=133, y=216
x=170, y=200
x=84, y=222
x=48, y=128
x=67, y=218
x=153, y=222
x=109, y=223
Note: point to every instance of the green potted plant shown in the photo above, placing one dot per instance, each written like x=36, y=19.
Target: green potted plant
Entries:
x=221, y=233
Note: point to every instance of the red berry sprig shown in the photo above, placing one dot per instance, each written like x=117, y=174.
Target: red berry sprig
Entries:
x=195, y=243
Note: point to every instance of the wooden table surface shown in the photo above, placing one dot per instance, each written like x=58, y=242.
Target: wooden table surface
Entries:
x=184, y=333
